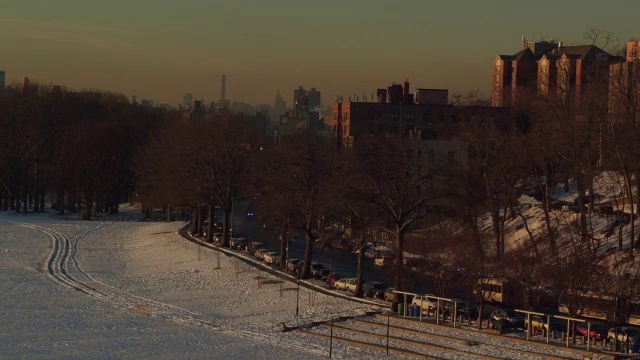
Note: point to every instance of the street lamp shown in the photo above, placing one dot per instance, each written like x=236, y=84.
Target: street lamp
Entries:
x=231, y=225
x=298, y=296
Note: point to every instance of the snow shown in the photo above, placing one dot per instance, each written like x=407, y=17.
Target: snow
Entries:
x=139, y=290
x=106, y=274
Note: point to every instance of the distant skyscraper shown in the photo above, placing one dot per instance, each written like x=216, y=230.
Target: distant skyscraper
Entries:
x=299, y=98
x=186, y=100
x=223, y=89
x=313, y=99
x=279, y=106
x=303, y=99
x=2, y=80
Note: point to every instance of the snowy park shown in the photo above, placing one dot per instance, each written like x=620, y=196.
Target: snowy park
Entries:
x=130, y=289
x=78, y=289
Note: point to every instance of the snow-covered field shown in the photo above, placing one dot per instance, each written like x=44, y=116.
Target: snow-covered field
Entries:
x=92, y=289
x=77, y=289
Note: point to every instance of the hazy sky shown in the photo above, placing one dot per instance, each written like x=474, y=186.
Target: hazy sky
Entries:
x=162, y=49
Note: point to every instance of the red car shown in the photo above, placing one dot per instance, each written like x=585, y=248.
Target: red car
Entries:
x=333, y=277
x=598, y=331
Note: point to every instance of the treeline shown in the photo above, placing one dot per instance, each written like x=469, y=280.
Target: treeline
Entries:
x=77, y=147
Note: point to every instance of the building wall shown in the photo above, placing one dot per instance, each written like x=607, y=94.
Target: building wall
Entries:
x=432, y=96
x=501, y=82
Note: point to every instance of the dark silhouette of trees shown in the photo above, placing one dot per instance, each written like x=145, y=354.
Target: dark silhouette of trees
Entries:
x=406, y=184
x=78, y=145
x=309, y=169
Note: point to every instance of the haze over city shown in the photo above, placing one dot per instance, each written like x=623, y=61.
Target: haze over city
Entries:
x=161, y=49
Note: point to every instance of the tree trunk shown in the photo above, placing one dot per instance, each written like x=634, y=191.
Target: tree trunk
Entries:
x=362, y=247
x=210, y=225
x=398, y=282
x=632, y=223
x=194, y=220
x=227, y=227
x=284, y=245
x=308, y=251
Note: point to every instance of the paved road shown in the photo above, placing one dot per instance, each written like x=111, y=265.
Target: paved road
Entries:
x=339, y=260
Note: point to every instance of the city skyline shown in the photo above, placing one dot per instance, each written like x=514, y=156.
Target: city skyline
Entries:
x=160, y=51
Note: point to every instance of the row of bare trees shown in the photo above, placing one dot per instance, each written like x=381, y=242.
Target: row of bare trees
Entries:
x=76, y=146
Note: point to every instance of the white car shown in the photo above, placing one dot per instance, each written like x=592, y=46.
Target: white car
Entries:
x=259, y=254
x=271, y=257
x=425, y=302
x=344, y=283
x=351, y=285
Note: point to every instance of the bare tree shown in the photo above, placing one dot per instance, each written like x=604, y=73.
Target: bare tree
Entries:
x=407, y=188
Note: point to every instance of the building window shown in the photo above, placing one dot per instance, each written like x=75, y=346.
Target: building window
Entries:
x=497, y=86
x=451, y=154
x=410, y=116
x=497, y=77
x=498, y=68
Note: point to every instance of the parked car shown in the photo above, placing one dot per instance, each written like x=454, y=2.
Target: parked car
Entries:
x=292, y=264
x=315, y=269
x=508, y=317
x=373, y=289
x=352, y=283
x=271, y=257
x=345, y=283
x=333, y=277
x=425, y=302
x=626, y=335
x=252, y=247
x=464, y=308
x=323, y=273
x=383, y=261
x=538, y=323
x=389, y=294
x=238, y=243
x=604, y=208
x=598, y=331
x=259, y=254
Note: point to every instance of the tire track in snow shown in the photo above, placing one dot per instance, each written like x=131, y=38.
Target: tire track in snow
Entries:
x=64, y=252
x=58, y=266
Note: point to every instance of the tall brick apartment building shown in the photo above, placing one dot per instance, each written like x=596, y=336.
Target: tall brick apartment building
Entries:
x=423, y=115
x=547, y=68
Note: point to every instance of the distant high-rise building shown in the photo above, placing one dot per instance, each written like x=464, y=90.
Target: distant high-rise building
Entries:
x=186, y=100
x=223, y=89
x=25, y=83
x=279, y=106
x=306, y=99
x=299, y=98
x=2, y=80
x=313, y=99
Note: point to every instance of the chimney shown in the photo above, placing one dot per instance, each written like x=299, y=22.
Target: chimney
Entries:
x=405, y=92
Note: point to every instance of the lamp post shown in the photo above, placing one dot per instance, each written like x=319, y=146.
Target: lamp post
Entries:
x=231, y=225
x=298, y=297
